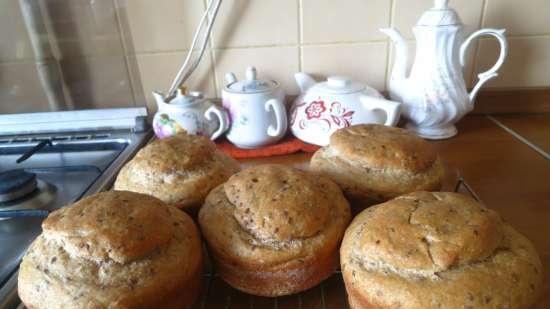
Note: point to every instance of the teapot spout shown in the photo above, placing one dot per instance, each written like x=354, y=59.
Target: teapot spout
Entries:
x=159, y=99
x=399, y=71
x=304, y=81
x=230, y=78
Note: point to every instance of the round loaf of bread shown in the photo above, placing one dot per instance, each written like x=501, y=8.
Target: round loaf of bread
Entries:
x=275, y=230
x=178, y=170
x=116, y=250
x=378, y=163
x=437, y=251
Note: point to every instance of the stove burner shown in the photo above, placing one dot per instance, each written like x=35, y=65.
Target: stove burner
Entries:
x=21, y=190
x=16, y=184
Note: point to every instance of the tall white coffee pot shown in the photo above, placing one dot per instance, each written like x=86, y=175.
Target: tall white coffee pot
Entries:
x=434, y=95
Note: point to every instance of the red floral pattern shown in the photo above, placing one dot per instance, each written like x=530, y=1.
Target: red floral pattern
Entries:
x=294, y=112
x=340, y=115
x=337, y=116
x=315, y=109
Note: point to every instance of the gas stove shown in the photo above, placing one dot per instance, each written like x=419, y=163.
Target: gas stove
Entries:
x=50, y=160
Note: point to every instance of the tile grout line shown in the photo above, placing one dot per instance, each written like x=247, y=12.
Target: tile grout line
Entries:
x=519, y=137
x=528, y=36
x=184, y=50
x=300, y=36
x=212, y=57
x=389, y=46
x=302, y=44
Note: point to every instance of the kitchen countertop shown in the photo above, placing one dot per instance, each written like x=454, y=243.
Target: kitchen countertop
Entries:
x=508, y=174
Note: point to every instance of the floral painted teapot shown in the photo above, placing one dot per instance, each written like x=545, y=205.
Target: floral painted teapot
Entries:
x=336, y=103
x=190, y=112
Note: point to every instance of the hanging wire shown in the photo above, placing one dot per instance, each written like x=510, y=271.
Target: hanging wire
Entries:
x=186, y=70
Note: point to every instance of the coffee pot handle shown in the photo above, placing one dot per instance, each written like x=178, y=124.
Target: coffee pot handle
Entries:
x=492, y=72
x=391, y=108
x=223, y=120
x=280, y=117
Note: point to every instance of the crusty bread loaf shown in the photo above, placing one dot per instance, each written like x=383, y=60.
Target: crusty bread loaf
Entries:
x=178, y=170
x=437, y=250
x=112, y=250
x=274, y=230
x=378, y=163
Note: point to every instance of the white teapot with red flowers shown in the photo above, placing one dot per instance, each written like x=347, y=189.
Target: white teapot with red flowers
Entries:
x=322, y=108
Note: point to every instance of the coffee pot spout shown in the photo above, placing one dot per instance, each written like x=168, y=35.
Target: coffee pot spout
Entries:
x=400, y=64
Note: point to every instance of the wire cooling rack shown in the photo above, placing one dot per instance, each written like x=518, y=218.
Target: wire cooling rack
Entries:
x=330, y=294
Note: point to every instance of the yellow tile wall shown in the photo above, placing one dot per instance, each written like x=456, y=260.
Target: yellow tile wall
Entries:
x=116, y=52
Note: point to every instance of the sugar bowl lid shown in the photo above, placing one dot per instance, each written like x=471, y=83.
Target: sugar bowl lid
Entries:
x=251, y=84
x=440, y=15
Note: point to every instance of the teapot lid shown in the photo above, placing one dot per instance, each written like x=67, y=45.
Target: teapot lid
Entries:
x=339, y=85
x=184, y=98
x=440, y=15
x=251, y=84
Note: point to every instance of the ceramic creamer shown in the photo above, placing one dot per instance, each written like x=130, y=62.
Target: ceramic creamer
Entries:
x=190, y=112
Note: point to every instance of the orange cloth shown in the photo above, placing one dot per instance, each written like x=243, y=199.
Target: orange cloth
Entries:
x=288, y=145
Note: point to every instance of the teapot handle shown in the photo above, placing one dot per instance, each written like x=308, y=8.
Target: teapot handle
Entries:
x=492, y=72
x=391, y=108
x=223, y=119
x=280, y=117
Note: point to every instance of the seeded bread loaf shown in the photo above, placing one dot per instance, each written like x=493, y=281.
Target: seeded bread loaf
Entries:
x=113, y=250
x=378, y=163
x=437, y=251
x=178, y=170
x=274, y=230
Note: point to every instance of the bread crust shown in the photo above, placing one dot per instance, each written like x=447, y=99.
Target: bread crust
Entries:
x=269, y=235
x=378, y=163
x=437, y=250
x=272, y=282
x=54, y=274
x=178, y=170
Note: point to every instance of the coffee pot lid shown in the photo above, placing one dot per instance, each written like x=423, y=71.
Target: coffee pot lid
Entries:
x=440, y=15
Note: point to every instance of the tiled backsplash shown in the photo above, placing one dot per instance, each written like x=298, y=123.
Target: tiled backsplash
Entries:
x=115, y=52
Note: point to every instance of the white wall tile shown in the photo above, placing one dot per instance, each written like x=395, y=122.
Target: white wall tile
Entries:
x=527, y=65
x=526, y=17
x=97, y=82
x=20, y=89
x=161, y=25
x=256, y=22
x=344, y=20
x=158, y=70
x=14, y=40
x=83, y=28
x=365, y=62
